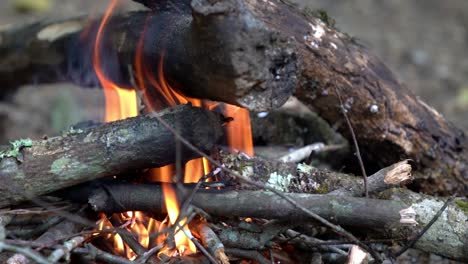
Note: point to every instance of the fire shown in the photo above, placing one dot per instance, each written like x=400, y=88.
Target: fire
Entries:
x=120, y=103
x=183, y=243
x=157, y=94
x=239, y=132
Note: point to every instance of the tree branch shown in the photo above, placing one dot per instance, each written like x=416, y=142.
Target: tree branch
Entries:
x=109, y=149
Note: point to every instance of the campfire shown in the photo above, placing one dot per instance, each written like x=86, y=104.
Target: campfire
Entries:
x=122, y=103
x=170, y=175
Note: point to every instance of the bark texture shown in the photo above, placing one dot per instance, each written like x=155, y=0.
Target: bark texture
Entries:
x=390, y=122
x=301, y=178
x=382, y=216
x=207, y=53
x=109, y=149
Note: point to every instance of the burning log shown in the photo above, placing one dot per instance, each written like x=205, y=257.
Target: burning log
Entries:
x=390, y=217
x=109, y=149
x=208, y=53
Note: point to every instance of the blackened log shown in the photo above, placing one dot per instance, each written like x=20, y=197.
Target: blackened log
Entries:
x=216, y=54
x=105, y=150
x=384, y=216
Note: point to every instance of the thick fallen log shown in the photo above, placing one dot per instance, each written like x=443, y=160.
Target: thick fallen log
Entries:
x=390, y=122
x=230, y=58
x=385, y=216
x=84, y=154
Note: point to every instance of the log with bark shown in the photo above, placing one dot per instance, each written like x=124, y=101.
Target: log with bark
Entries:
x=81, y=155
x=386, y=217
x=213, y=57
x=257, y=52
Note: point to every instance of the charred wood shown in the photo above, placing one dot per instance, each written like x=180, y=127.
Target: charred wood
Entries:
x=208, y=53
x=390, y=122
x=109, y=149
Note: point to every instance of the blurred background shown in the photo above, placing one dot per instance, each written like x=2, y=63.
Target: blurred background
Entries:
x=424, y=41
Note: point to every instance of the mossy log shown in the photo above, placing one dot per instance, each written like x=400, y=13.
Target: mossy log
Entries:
x=301, y=178
x=448, y=237
x=108, y=149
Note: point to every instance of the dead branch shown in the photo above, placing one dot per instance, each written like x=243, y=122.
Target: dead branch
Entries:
x=249, y=254
x=245, y=239
x=210, y=240
x=302, y=178
x=108, y=149
x=385, y=216
x=148, y=197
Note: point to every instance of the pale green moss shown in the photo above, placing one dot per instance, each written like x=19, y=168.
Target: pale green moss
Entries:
x=463, y=205
x=67, y=168
x=16, y=147
x=322, y=189
x=280, y=182
x=304, y=168
x=73, y=131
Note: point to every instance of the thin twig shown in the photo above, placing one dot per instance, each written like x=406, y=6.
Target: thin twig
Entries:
x=26, y=252
x=312, y=242
x=66, y=248
x=339, y=230
x=424, y=230
x=97, y=254
x=356, y=145
x=250, y=254
x=148, y=254
x=200, y=246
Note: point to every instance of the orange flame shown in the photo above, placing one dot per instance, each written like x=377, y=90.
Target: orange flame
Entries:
x=183, y=243
x=122, y=103
x=239, y=131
